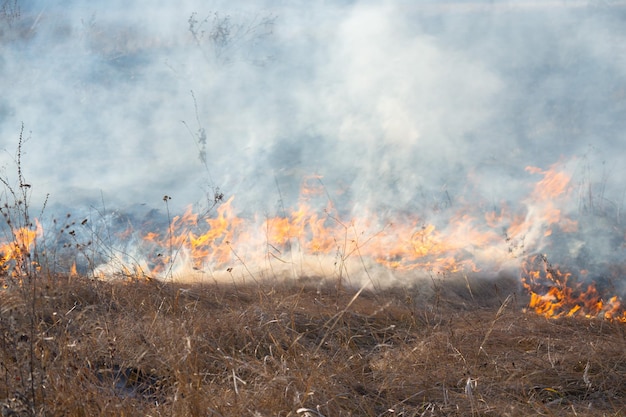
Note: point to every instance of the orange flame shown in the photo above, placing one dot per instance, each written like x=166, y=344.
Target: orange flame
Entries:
x=543, y=211
x=182, y=234
x=556, y=294
x=463, y=243
x=16, y=256
x=73, y=271
x=408, y=245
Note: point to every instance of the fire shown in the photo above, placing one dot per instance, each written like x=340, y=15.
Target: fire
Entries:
x=422, y=246
x=16, y=255
x=73, y=270
x=543, y=213
x=302, y=225
x=555, y=294
x=553, y=184
x=183, y=235
x=468, y=240
x=212, y=243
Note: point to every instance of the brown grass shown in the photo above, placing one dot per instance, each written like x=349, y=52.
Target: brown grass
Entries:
x=300, y=349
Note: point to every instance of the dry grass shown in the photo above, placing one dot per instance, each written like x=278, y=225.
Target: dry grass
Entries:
x=300, y=349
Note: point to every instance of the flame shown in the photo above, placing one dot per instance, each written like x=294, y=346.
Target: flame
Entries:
x=556, y=294
x=408, y=244
x=422, y=246
x=182, y=235
x=553, y=184
x=210, y=243
x=543, y=205
x=16, y=255
x=411, y=243
x=470, y=240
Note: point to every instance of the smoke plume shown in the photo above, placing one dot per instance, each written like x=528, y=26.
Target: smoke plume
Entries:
x=395, y=108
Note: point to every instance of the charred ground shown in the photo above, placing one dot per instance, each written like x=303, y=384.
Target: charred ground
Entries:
x=92, y=348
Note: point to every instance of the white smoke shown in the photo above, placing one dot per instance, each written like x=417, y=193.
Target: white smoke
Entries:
x=423, y=108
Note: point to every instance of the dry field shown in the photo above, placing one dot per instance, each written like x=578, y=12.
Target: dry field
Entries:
x=79, y=347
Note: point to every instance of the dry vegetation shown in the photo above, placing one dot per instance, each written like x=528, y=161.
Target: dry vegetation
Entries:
x=81, y=347
x=75, y=346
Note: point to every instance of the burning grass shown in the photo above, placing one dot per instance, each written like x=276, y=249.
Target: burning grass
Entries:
x=239, y=338
x=305, y=348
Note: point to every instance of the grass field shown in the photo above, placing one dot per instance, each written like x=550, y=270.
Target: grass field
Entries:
x=83, y=347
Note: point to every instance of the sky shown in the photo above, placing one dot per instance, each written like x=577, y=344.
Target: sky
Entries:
x=393, y=106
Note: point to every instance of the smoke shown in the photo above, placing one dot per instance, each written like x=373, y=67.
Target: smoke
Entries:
x=422, y=108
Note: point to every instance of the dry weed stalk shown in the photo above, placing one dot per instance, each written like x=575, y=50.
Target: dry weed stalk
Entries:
x=493, y=323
